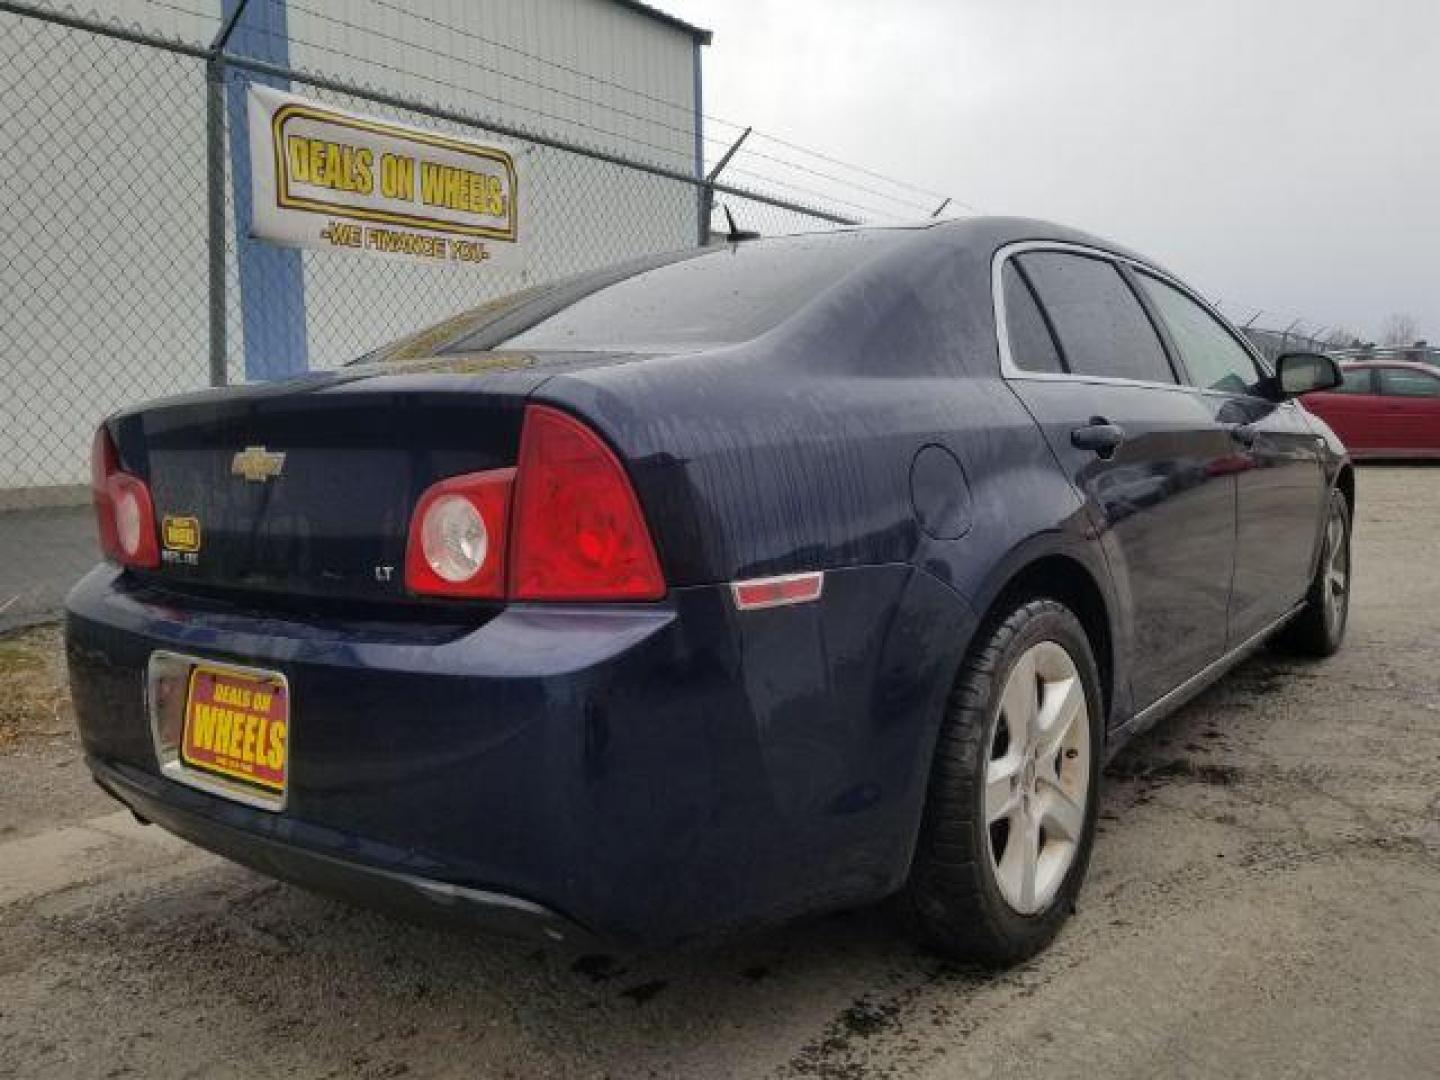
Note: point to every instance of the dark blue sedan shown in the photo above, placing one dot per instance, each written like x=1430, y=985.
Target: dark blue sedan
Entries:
x=710, y=590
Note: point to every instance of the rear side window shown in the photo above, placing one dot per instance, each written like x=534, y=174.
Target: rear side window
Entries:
x=1031, y=346
x=1213, y=358
x=1101, y=327
x=1403, y=382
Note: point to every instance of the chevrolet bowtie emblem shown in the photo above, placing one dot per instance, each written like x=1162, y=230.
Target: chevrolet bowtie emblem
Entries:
x=257, y=464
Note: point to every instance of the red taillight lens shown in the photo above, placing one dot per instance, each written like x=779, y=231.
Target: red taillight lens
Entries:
x=124, y=512
x=571, y=529
x=579, y=533
x=457, y=536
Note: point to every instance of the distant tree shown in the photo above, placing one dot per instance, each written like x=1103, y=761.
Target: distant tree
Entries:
x=1399, y=329
x=1342, y=338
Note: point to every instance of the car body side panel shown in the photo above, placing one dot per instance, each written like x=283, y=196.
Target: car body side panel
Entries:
x=1280, y=502
x=1165, y=505
x=1412, y=421
x=794, y=452
x=1354, y=417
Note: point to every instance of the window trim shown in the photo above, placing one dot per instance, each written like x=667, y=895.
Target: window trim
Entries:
x=1011, y=371
x=1181, y=370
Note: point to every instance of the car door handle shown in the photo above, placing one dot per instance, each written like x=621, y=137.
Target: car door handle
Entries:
x=1244, y=434
x=1100, y=436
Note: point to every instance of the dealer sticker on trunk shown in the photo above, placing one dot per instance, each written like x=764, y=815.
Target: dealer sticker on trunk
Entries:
x=180, y=539
x=237, y=726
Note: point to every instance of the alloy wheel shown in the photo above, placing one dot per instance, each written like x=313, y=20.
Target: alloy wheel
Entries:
x=1037, y=777
x=1337, y=569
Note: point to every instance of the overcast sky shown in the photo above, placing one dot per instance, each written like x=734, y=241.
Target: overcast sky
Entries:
x=1282, y=155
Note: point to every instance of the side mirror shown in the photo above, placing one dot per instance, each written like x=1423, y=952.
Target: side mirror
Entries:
x=1304, y=373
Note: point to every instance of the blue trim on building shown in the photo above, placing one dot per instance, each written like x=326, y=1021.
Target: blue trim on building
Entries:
x=272, y=279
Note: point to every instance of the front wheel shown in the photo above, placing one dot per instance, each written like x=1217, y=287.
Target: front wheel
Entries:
x=1319, y=628
x=1010, y=814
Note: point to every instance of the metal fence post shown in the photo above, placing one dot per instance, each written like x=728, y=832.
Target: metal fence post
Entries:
x=215, y=191
x=215, y=206
x=707, y=189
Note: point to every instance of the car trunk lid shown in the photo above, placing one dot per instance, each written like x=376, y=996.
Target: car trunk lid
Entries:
x=304, y=489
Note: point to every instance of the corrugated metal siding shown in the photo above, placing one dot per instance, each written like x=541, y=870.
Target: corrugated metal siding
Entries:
x=100, y=314
x=591, y=72
x=610, y=77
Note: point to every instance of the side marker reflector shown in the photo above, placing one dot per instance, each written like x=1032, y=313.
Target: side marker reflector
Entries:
x=777, y=591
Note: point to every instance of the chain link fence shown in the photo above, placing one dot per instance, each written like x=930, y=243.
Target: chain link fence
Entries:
x=1273, y=343
x=129, y=272
x=128, y=275
x=103, y=297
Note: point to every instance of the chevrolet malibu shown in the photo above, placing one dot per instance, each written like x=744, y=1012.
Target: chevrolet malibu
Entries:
x=710, y=590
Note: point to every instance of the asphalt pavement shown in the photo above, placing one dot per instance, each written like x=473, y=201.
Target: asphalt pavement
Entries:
x=1264, y=902
x=42, y=553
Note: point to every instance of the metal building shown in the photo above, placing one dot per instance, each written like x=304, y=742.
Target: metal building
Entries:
x=103, y=195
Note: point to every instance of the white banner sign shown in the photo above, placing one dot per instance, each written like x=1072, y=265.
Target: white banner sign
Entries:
x=322, y=178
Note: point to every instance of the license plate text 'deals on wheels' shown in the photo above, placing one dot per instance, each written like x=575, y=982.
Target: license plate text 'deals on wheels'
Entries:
x=236, y=726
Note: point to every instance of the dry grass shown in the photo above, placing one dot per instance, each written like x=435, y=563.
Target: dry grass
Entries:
x=34, y=694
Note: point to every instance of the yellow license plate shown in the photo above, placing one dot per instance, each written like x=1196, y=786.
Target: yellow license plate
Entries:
x=237, y=725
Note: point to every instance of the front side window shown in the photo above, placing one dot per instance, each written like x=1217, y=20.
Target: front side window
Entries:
x=1099, y=323
x=1213, y=358
x=1407, y=382
x=1353, y=381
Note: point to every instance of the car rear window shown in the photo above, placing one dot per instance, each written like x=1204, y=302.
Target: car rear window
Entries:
x=725, y=295
x=1101, y=327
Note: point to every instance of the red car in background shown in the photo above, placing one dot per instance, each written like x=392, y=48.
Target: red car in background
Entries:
x=1384, y=409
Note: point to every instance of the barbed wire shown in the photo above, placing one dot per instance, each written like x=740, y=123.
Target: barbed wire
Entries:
x=686, y=156
x=867, y=172
x=290, y=5
x=687, y=109
x=842, y=185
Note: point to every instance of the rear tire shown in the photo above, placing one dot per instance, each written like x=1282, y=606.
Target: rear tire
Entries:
x=1319, y=629
x=1010, y=813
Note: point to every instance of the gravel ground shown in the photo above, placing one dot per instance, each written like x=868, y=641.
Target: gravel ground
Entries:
x=1264, y=901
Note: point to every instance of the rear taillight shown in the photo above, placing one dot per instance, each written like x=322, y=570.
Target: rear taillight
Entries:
x=458, y=534
x=124, y=511
x=572, y=529
x=579, y=531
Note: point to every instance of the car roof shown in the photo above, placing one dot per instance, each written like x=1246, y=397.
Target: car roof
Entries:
x=990, y=232
x=1412, y=365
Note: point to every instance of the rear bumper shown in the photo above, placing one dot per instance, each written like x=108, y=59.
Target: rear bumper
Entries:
x=162, y=803
x=649, y=773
